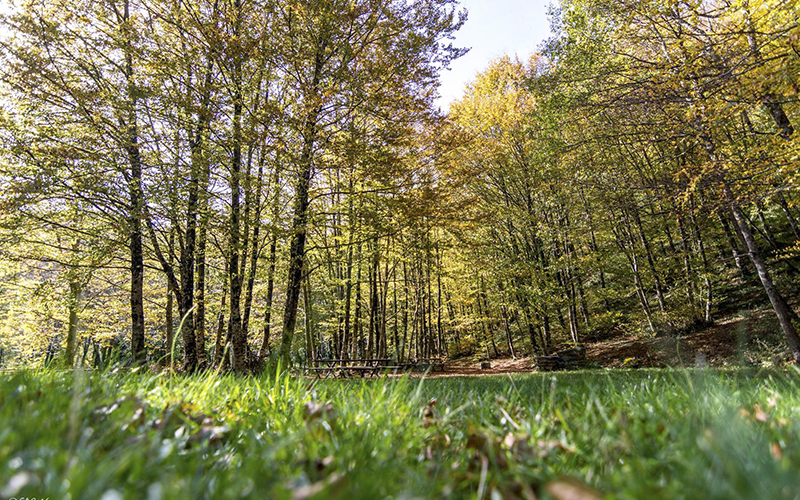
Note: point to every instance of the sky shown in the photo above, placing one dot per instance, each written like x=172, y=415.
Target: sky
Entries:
x=493, y=29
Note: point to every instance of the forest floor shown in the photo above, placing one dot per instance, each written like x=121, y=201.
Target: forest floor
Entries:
x=750, y=338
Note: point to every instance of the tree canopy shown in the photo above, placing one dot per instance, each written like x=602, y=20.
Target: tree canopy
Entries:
x=181, y=179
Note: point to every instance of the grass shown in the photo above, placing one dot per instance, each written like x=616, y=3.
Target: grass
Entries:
x=629, y=434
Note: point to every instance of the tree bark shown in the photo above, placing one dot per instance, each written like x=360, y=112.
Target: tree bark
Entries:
x=136, y=197
x=300, y=219
x=237, y=336
x=73, y=304
x=782, y=310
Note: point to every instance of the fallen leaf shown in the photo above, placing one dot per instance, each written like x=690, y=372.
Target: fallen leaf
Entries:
x=323, y=464
x=568, y=488
x=312, y=490
x=212, y=434
x=776, y=451
x=317, y=411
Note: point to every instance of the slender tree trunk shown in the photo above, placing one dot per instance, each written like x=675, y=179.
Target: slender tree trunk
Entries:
x=169, y=320
x=218, y=347
x=300, y=219
x=404, y=346
x=687, y=267
x=308, y=315
x=200, y=290
x=439, y=329
x=651, y=264
x=384, y=290
x=765, y=226
x=348, y=294
x=733, y=243
x=136, y=200
x=508, y=333
x=268, y=307
x=545, y=334
x=487, y=318
x=357, y=320
x=397, y=355
x=633, y=262
x=73, y=305
x=255, y=253
x=373, y=305
x=235, y=332
x=782, y=310
x=201, y=169
x=706, y=269
x=789, y=215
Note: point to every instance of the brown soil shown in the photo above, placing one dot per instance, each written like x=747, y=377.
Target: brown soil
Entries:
x=728, y=342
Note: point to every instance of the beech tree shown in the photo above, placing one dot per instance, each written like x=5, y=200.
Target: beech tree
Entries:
x=346, y=59
x=252, y=156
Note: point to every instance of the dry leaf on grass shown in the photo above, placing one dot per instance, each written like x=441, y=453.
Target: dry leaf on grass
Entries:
x=312, y=490
x=571, y=489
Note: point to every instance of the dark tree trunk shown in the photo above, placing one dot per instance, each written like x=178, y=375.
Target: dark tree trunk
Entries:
x=73, y=305
x=270, y=291
x=218, y=346
x=733, y=243
x=789, y=215
x=300, y=219
x=235, y=332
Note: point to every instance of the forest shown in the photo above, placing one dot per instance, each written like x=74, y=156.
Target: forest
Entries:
x=204, y=203
x=273, y=180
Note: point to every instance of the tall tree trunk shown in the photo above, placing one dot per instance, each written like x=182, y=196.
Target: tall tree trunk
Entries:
x=734, y=244
x=383, y=295
x=235, y=332
x=687, y=267
x=200, y=290
x=273, y=248
x=135, y=197
x=201, y=168
x=374, y=332
x=218, y=347
x=782, y=310
x=187, y=289
x=789, y=215
x=706, y=268
x=404, y=345
x=439, y=329
x=73, y=305
x=396, y=335
x=348, y=295
x=633, y=262
x=357, y=319
x=308, y=315
x=651, y=264
x=509, y=340
x=256, y=251
x=300, y=219
x=169, y=320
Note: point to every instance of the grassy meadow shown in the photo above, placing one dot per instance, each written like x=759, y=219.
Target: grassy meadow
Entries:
x=594, y=434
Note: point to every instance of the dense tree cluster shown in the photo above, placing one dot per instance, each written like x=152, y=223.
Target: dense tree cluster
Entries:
x=644, y=162
x=179, y=179
x=211, y=148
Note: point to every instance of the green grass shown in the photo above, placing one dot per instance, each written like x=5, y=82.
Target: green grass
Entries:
x=630, y=434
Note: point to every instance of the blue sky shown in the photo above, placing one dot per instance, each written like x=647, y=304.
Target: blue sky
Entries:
x=494, y=28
